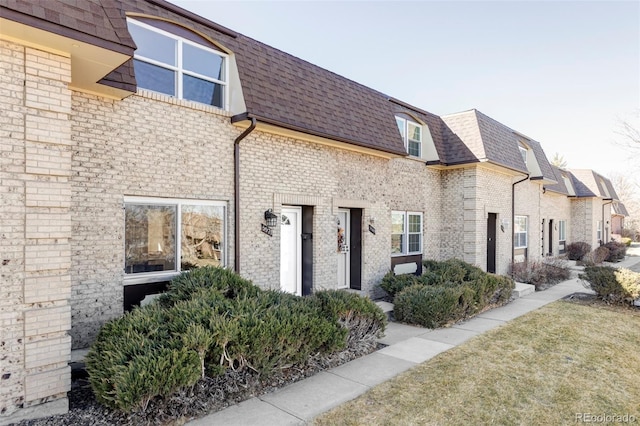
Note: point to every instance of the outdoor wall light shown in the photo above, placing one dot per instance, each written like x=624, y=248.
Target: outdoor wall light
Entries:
x=372, y=220
x=270, y=218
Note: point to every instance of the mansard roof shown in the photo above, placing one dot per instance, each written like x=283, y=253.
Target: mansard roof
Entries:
x=486, y=139
x=589, y=183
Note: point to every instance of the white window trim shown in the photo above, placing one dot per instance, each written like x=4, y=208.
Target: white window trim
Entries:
x=526, y=232
x=179, y=70
x=151, y=277
x=599, y=231
x=405, y=134
x=405, y=246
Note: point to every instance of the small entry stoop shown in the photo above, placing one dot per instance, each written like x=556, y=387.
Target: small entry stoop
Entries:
x=523, y=289
x=387, y=308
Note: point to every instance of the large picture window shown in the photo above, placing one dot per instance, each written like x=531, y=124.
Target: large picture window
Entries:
x=153, y=228
x=170, y=64
x=520, y=231
x=406, y=233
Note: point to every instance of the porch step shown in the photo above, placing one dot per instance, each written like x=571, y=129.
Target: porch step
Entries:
x=387, y=308
x=523, y=289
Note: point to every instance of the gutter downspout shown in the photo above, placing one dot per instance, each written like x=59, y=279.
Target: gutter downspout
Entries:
x=236, y=194
x=513, y=216
x=602, y=242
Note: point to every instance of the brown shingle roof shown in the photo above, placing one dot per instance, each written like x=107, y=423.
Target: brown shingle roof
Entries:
x=97, y=22
x=588, y=183
x=288, y=91
x=559, y=186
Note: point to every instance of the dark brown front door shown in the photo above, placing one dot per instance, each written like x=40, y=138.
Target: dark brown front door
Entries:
x=491, y=242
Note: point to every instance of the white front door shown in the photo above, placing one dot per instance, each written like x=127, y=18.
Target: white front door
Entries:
x=342, y=248
x=291, y=250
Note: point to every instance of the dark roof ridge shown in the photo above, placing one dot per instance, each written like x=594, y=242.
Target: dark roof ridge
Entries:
x=411, y=107
x=194, y=17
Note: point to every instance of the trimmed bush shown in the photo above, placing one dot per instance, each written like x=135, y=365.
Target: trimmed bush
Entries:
x=429, y=306
x=626, y=241
x=393, y=284
x=450, y=291
x=211, y=320
x=617, y=251
x=363, y=319
x=596, y=257
x=225, y=281
x=540, y=273
x=577, y=250
x=611, y=284
x=134, y=359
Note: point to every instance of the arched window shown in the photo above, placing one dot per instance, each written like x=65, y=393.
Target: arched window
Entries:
x=177, y=66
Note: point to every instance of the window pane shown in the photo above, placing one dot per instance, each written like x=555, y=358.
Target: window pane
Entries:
x=202, y=62
x=415, y=223
x=202, y=236
x=155, y=78
x=415, y=132
x=401, y=123
x=150, y=238
x=153, y=45
x=397, y=242
x=206, y=92
x=414, y=243
x=414, y=148
x=397, y=223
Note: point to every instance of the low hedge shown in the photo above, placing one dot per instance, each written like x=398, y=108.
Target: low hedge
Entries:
x=447, y=292
x=617, y=251
x=211, y=320
x=577, y=250
x=540, y=273
x=611, y=284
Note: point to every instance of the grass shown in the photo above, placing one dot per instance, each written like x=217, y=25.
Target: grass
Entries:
x=542, y=368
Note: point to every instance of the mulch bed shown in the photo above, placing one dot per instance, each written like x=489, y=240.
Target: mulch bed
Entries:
x=206, y=396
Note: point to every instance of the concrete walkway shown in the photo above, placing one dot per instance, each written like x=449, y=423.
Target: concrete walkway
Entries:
x=299, y=403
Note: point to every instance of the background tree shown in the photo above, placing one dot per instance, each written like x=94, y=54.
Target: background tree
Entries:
x=559, y=161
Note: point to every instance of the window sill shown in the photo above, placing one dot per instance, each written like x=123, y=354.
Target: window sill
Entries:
x=149, y=277
x=405, y=254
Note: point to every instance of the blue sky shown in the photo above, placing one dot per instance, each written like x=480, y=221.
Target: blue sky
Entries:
x=563, y=73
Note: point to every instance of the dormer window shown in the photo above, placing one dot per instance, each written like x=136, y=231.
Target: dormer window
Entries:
x=411, y=132
x=169, y=64
x=523, y=153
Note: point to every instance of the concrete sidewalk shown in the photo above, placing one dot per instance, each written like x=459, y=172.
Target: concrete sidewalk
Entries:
x=408, y=346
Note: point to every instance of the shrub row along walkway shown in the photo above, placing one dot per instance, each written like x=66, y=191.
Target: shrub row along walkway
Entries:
x=408, y=346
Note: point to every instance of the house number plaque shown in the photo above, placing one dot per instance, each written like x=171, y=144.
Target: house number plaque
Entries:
x=264, y=228
x=372, y=230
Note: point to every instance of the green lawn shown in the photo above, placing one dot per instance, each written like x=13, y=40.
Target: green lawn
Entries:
x=547, y=367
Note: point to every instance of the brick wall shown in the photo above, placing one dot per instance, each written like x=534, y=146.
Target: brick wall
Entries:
x=585, y=213
x=528, y=195
x=145, y=145
x=556, y=207
x=278, y=170
x=35, y=160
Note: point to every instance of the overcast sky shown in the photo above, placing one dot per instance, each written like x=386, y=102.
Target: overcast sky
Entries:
x=563, y=73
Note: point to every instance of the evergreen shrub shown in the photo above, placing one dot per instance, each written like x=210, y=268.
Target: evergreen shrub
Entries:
x=447, y=292
x=617, y=251
x=211, y=320
x=611, y=284
x=577, y=250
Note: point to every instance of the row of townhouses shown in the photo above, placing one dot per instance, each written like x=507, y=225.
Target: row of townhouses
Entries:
x=139, y=140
